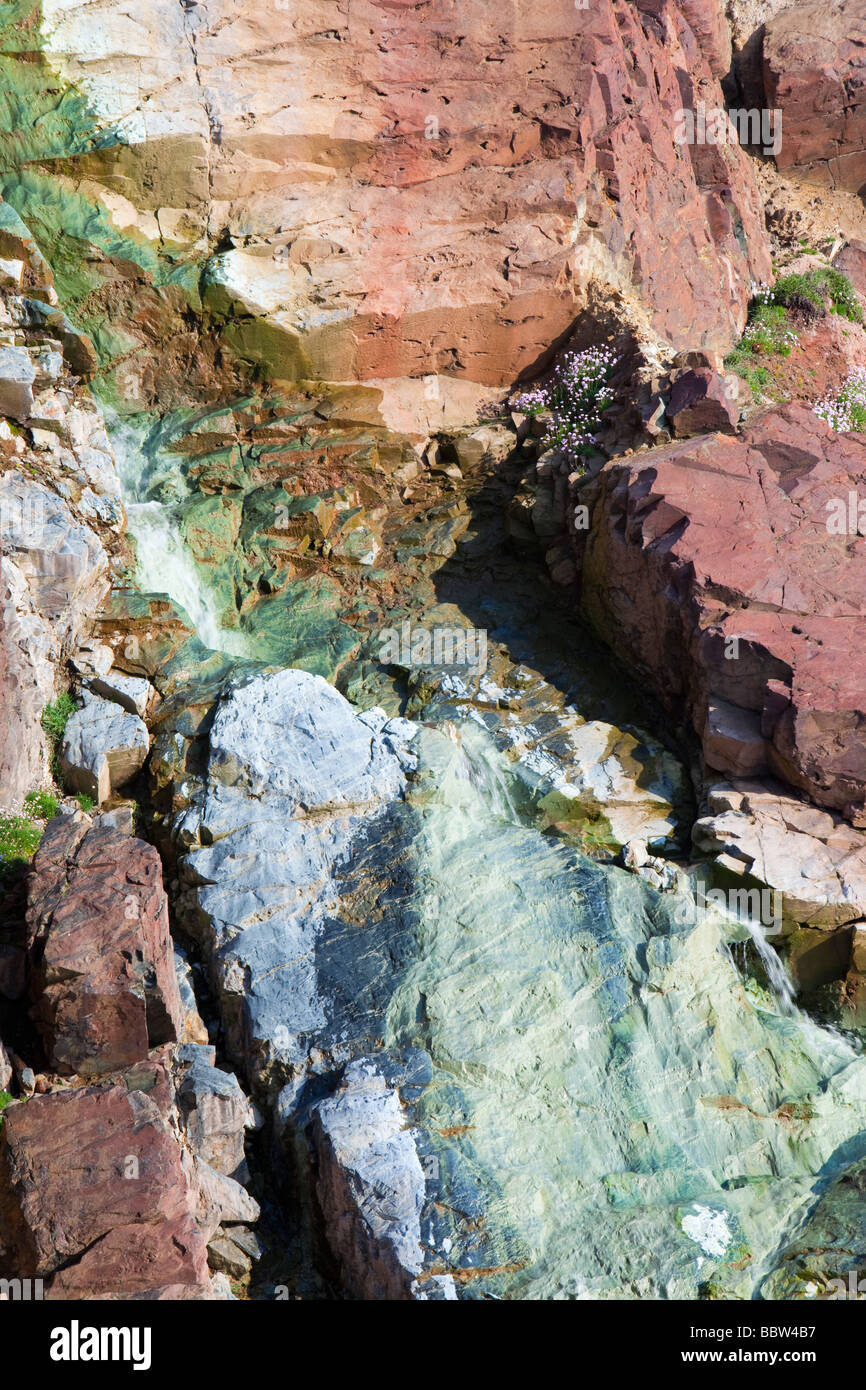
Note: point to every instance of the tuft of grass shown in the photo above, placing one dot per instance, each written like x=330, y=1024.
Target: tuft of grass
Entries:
x=85, y=802
x=770, y=328
x=55, y=717
x=20, y=835
x=40, y=805
x=817, y=287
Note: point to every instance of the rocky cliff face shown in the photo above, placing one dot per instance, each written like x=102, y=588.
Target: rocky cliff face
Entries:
x=61, y=517
x=443, y=918
x=369, y=192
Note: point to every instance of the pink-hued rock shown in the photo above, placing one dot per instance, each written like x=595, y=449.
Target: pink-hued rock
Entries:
x=706, y=19
x=702, y=401
x=104, y=984
x=441, y=189
x=94, y=1192
x=815, y=73
x=852, y=260
x=710, y=567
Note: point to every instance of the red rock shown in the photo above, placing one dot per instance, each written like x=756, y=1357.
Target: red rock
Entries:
x=706, y=19
x=708, y=540
x=815, y=73
x=94, y=1192
x=450, y=188
x=702, y=401
x=103, y=967
x=852, y=260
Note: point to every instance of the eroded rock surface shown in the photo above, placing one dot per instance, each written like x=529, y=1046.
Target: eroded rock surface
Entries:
x=444, y=1108
x=814, y=69
x=376, y=227
x=98, y=928
x=815, y=860
x=717, y=567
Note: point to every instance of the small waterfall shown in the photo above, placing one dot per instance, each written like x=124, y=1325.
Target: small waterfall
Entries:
x=777, y=976
x=164, y=564
x=478, y=766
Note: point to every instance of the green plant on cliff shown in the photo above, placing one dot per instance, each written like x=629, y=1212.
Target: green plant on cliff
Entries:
x=55, y=717
x=5, y=1098
x=817, y=287
x=768, y=333
x=774, y=312
x=20, y=834
x=40, y=805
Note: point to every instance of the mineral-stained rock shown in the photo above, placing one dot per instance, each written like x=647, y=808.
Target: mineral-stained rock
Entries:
x=823, y=1259
x=94, y=1192
x=585, y=777
x=701, y=401
x=815, y=72
x=580, y=171
x=425, y=989
x=103, y=747
x=814, y=859
x=721, y=571
x=105, y=984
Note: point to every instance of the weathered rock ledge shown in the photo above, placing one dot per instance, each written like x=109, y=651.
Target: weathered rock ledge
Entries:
x=711, y=567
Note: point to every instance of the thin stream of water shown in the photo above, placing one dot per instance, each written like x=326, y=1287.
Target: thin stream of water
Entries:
x=164, y=563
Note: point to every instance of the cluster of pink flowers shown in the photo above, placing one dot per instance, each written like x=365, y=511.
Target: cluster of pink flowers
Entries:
x=847, y=409
x=576, y=394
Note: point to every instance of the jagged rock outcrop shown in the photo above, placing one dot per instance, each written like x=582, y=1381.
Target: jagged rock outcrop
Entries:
x=93, y=1187
x=374, y=227
x=717, y=567
x=98, y=931
x=814, y=860
x=61, y=515
x=814, y=62
x=114, y=1190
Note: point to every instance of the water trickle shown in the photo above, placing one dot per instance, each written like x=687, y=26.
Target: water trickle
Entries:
x=164, y=564
x=777, y=975
x=479, y=765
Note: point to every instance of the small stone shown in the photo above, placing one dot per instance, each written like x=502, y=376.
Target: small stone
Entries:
x=227, y=1258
